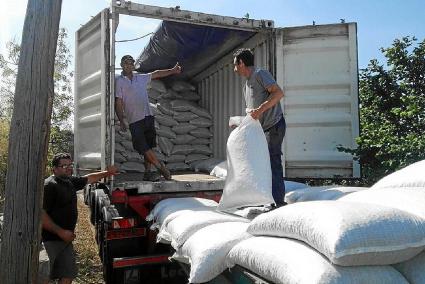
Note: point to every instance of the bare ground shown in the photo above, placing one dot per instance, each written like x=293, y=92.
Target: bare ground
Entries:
x=88, y=261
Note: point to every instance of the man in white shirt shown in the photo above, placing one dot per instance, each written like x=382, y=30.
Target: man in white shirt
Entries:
x=131, y=98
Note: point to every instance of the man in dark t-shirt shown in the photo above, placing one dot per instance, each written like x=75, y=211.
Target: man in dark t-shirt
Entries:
x=59, y=215
x=262, y=97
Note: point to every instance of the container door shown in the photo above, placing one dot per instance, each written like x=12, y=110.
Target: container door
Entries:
x=317, y=68
x=91, y=90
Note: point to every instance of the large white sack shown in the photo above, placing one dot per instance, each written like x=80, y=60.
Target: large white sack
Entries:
x=413, y=269
x=249, y=177
x=320, y=193
x=187, y=223
x=409, y=199
x=207, y=249
x=410, y=176
x=157, y=85
x=283, y=261
x=170, y=205
x=347, y=233
x=166, y=120
x=293, y=185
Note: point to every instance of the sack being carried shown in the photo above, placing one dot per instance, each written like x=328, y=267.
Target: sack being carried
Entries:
x=249, y=177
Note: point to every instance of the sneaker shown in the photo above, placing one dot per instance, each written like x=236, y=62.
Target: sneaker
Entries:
x=151, y=176
x=165, y=172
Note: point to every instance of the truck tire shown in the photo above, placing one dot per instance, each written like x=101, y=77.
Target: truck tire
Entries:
x=94, y=195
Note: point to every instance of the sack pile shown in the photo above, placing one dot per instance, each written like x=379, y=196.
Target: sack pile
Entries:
x=182, y=127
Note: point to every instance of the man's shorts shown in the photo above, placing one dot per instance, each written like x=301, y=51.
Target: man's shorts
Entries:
x=143, y=134
x=62, y=259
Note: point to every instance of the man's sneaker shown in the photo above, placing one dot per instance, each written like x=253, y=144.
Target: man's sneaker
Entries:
x=165, y=172
x=151, y=176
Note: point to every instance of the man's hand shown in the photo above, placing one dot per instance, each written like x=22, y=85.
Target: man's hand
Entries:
x=112, y=170
x=177, y=69
x=66, y=235
x=256, y=113
x=123, y=126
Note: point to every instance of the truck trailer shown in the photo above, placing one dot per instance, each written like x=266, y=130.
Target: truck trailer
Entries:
x=316, y=66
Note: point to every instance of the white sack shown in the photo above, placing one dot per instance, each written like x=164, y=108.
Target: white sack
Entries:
x=184, y=116
x=183, y=128
x=292, y=185
x=201, y=141
x=201, y=149
x=195, y=157
x=132, y=167
x=175, y=158
x=235, y=121
x=201, y=112
x=170, y=205
x=410, y=176
x=413, y=269
x=220, y=170
x=249, y=177
x=182, y=149
x=177, y=166
x=284, y=261
x=320, y=193
x=188, y=95
x=182, y=139
x=165, y=107
x=166, y=131
x=409, y=199
x=166, y=120
x=207, y=249
x=182, y=86
x=201, y=122
x=347, y=233
x=157, y=85
x=165, y=145
x=201, y=132
x=187, y=223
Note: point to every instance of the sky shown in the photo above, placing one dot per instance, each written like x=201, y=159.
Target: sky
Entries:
x=379, y=22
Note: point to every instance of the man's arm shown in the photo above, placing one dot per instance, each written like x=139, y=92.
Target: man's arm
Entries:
x=48, y=224
x=166, y=72
x=276, y=94
x=94, y=177
x=119, y=110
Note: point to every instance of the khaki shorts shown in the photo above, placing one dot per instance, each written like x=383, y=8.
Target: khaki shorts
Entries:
x=62, y=259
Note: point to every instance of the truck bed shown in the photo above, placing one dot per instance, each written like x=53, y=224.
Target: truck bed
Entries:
x=181, y=182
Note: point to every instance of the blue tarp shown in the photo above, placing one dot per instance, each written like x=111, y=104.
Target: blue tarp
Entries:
x=195, y=47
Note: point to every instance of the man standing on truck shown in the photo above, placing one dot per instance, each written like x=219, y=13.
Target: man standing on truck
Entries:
x=59, y=215
x=131, y=97
x=262, y=97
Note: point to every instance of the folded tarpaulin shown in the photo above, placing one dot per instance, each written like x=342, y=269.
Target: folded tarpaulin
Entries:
x=195, y=47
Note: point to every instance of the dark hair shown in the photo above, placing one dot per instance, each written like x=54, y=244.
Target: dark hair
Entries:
x=245, y=55
x=127, y=57
x=57, y=157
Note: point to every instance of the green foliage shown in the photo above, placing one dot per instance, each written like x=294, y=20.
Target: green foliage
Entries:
x=4, y=143
x=61, y=135
x=392, y=110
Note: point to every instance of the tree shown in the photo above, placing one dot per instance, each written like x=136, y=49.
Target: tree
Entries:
x=61, y=135
x=392, y=110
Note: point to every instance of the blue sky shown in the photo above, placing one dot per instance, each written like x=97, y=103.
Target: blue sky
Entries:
x=379, y=22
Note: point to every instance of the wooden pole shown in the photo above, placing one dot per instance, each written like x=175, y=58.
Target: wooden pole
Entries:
x=28, y=141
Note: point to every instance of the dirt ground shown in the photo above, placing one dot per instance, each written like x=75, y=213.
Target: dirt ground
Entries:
x=88, y=261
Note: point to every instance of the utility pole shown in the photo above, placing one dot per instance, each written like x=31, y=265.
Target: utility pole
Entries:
x=28, y=142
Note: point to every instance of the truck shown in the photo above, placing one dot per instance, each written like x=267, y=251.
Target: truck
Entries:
x=316, y=65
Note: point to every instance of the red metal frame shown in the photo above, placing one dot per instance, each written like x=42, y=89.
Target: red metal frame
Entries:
x=125, y=233
x=140, y=260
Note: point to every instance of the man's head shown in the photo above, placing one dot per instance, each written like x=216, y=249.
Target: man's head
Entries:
x=62, y=165
x=243, y=59
x=127, y=64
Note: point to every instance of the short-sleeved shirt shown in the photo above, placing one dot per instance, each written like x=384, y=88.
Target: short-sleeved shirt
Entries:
x=60, y=203
x=134, y=95
x=256, y=93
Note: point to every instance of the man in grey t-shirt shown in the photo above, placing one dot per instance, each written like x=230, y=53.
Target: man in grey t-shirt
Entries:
x=262, y=96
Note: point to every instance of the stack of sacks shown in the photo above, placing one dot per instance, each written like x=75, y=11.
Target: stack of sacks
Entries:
x=182, y=126
x=403, y=190
x=313, y=193
x=336, y=241
x=201, y=236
